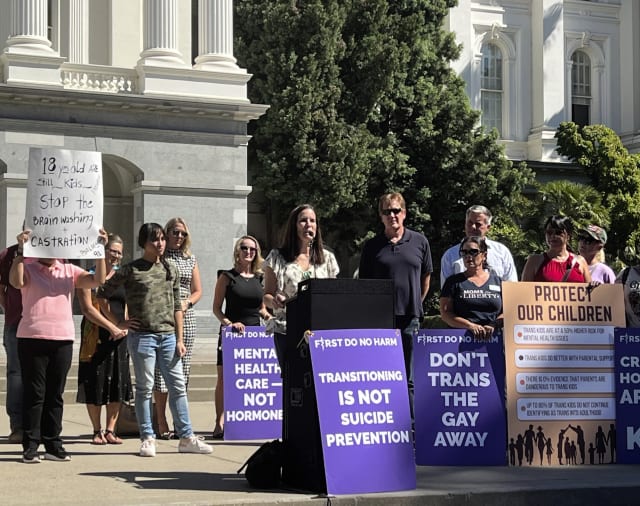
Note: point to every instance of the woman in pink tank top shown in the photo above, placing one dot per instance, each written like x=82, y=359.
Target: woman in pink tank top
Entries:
x=558, y=263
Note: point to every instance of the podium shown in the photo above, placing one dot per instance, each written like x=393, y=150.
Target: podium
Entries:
x=321, y=304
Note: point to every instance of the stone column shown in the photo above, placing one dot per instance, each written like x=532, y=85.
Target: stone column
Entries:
x=29, y=29
x=161, y=34
x=215, y=36
x=79, y=31
x=28, y=58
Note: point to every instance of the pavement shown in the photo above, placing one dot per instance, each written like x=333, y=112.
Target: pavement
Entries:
x=116, y=475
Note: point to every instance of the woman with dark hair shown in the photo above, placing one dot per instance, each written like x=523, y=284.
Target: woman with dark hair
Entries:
x=152, y=294
x=103, y=368
x=240, y=289
x=179, y=252
x=300, y=256
x=557, y=264
x=473, y=299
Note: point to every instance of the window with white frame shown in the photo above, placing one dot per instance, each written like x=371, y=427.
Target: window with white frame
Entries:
x=491, y=87
x=580, y=88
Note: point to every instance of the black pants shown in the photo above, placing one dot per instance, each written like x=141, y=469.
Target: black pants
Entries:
x=45, y=364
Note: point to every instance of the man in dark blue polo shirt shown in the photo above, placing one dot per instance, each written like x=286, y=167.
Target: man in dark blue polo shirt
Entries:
x=404, y=256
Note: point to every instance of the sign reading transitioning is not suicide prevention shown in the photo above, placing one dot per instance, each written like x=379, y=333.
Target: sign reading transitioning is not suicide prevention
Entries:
x=363, y=405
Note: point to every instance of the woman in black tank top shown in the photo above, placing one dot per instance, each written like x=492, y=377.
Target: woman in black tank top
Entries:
x=240, y=289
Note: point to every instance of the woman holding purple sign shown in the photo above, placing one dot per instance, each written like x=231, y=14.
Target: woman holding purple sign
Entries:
x=472, y=299
x=240, y=290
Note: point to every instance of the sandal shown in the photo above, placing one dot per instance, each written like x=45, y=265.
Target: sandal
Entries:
x=98, y=438
x=112, y=438
x=218, y=434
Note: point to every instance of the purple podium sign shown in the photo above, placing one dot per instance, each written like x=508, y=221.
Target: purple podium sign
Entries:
x=460, y=416
x=363, y=406
x=252, y=385
x=627, y=379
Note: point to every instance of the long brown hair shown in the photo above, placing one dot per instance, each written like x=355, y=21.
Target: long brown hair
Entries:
x=289, y=246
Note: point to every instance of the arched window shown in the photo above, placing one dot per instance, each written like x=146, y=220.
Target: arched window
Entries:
x=580, y=88
x=491, y=87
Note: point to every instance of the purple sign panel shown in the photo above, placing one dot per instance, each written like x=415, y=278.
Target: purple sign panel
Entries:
x=460, y=417
x=252, y=385
x=627, y=378
x=363, y=406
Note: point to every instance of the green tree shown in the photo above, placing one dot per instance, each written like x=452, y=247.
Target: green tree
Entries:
x=363, y=101
x=615, y=174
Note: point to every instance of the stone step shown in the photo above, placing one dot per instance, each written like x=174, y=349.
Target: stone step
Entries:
x=202, y=382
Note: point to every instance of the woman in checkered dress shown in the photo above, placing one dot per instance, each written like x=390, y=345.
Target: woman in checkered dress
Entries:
x=178, y=251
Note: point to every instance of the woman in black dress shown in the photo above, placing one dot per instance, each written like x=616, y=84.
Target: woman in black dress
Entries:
x=103, y=369
x=241, y=291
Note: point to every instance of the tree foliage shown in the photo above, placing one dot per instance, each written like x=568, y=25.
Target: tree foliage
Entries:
x=615, y=174
x=363, y=101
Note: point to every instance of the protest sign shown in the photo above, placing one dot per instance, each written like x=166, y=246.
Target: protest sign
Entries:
x=64, y=204
x=363, y=406
x=560, y=359
x=627, y=373
x=459, y=406
x=252, y=385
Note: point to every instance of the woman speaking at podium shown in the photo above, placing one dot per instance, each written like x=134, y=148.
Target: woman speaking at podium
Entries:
x=301, y=256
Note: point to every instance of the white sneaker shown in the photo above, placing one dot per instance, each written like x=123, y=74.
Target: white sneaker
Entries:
x=193, y=444
x=148, y=448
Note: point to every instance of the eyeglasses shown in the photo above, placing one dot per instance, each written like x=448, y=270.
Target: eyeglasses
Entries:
x=392, y=210
x=470, y=252
x=179, y=233
x=249, y=248
x=115, y=252
x=586, y=238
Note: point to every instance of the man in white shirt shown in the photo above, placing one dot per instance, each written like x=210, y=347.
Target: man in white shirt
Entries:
x=478, y=223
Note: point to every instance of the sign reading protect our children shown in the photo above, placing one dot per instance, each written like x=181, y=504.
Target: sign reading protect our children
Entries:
x=559, y=351
x=363, y=406
x=459, y=399
x=252, y=385
x=64, y=204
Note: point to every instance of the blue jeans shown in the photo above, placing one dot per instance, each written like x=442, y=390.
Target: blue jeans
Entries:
x=14, y=377
x=409, y=327
x=147, y=350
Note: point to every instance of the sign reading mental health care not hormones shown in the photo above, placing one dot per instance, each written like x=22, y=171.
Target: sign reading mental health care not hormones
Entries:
x=252, y=385
x=363, y=406
x=559, y=347
x=459, y=399
x=626, y=433
x=64, y=204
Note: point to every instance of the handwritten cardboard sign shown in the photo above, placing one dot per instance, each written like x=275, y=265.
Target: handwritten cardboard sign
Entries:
x=64, y=204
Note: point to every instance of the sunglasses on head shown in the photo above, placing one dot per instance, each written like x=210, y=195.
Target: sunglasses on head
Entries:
x=179, y=233
x=248, y=248
x=390, y=211
x=470, y=252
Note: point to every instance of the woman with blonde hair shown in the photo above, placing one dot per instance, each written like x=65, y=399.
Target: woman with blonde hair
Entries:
x=179, y=253
x=240, y=289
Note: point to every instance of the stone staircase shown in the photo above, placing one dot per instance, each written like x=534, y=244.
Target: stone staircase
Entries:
x=203, y=365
